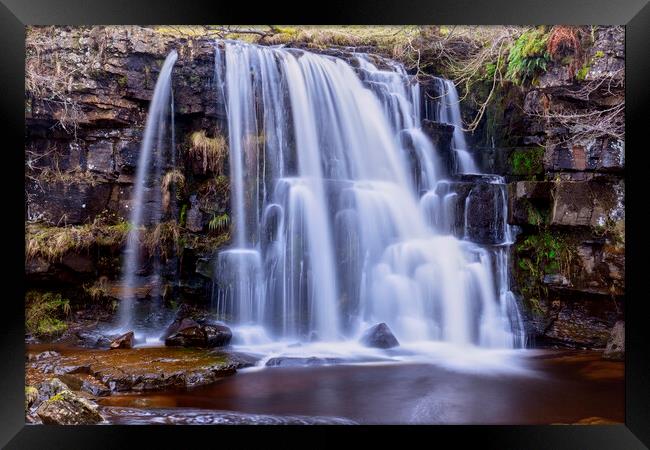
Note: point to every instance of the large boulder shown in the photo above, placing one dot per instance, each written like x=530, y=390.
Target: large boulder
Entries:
x=189, y=333
x=379, y=336
x=123, y=341
x=217, y=335
x=67, y=408
x=615, y=349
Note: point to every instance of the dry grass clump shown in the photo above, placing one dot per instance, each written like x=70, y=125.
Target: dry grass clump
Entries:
x=564, y=41
x=77, y=175
x=563, y=38
x=384, y=38
x=210, y=151
x=97, y=291
x=52, y=243
x=173, y=178
x=163, y=237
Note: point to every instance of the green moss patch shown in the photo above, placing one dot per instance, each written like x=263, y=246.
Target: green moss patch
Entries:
x=527, y=162
x=545, y=253
x=45, y=313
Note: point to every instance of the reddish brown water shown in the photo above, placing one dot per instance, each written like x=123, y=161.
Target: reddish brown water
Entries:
x=564, y=387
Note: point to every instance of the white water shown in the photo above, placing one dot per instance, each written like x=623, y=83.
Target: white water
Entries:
x=343, y=216
x=449, y=112
x=146, y=202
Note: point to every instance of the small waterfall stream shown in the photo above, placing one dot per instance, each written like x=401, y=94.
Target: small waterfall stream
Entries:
x=449, y=112
x=343, y=214
x=156, y=151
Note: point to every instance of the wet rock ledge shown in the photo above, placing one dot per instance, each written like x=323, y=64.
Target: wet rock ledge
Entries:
x=137, y=369
x=90, y=373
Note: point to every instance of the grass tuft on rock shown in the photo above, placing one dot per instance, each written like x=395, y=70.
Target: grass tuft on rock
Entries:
x=211, y=151
x=52, y=243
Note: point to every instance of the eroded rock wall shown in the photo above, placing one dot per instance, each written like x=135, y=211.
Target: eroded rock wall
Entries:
x=561, y=149
x=87, y=94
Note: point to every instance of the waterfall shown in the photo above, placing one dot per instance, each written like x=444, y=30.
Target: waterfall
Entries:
x=449, y=112
x=344, y=216
x=146, y=208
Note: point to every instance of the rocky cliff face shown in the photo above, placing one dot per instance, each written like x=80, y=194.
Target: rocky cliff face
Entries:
x=87, y=95
x=564, y=158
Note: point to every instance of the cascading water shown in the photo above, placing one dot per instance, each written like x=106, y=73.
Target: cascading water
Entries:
x=156, y=149
x=449, y=112
x=343, y=217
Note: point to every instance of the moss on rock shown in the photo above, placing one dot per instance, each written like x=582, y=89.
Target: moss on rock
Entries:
x=31, y=395
x=67, y=408
x=536, y=257
x=44, y=313
x=527, y=162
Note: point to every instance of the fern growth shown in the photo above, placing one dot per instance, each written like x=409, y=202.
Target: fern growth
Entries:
x=219, y=223
x=528, y=57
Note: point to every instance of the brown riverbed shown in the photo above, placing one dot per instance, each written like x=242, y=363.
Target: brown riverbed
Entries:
x=560, y=387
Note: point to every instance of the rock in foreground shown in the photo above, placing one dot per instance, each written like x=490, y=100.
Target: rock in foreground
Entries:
x=123, y=341
x=138, y=369
x=379, y=336
x=67, y=408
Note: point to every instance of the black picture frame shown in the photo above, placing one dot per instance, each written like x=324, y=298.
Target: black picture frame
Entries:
x=634, y=14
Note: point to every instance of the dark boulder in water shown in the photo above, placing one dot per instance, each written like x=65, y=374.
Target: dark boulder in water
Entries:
x=123, y=341
x=189, y=333
x=180, y=323
x=217, y=335
x=379, y=336
x=194, y=328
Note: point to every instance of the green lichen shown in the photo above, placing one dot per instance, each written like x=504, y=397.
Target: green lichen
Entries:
x=581, y=75
x=122, y=81
x=31, y=395
x=183, y=215
x=58, y=397
x=599, y=54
